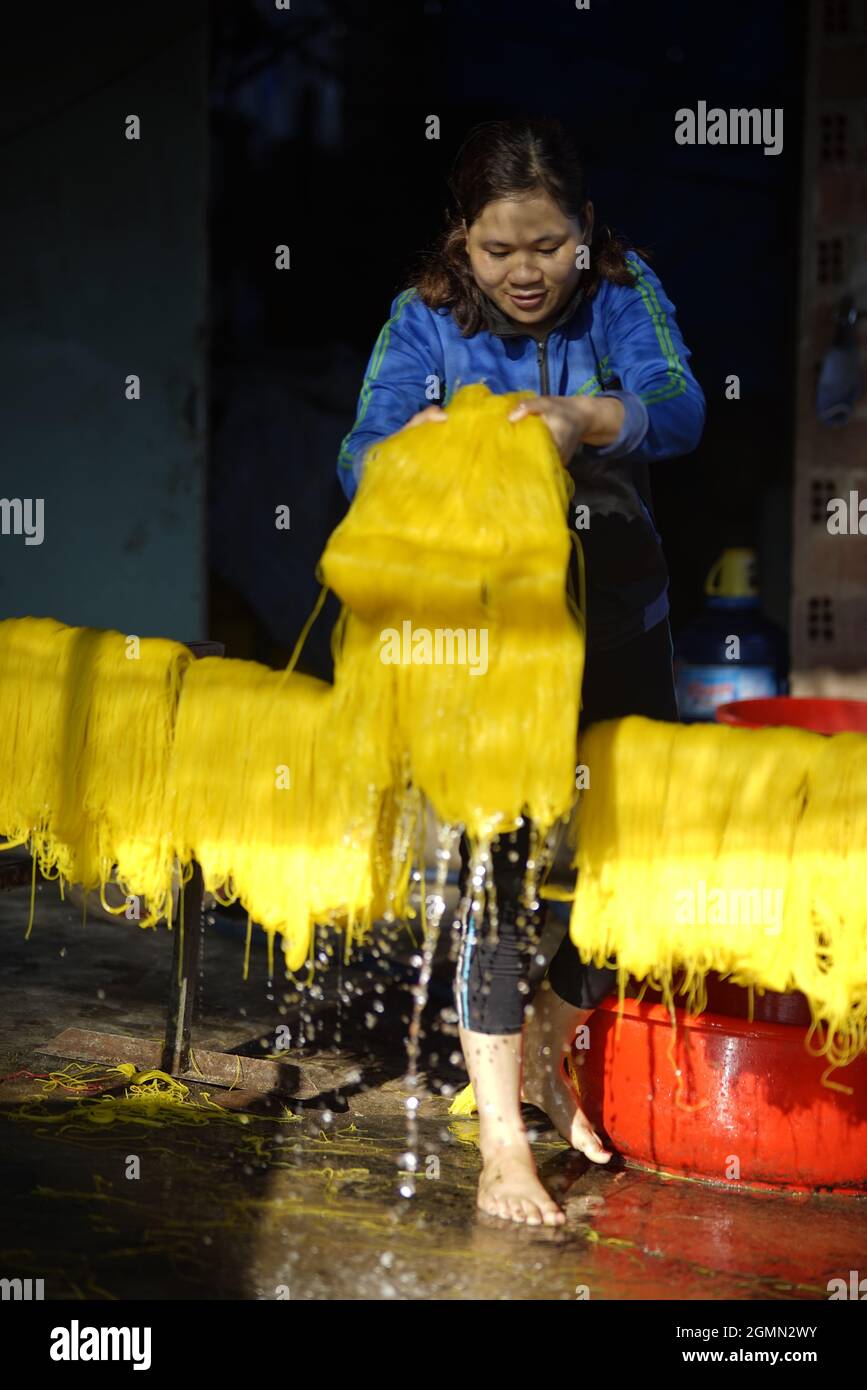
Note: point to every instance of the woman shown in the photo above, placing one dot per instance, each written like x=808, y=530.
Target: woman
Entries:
x=523, y=293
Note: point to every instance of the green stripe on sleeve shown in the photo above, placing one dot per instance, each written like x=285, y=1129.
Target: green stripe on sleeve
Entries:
x=344, y=458
x=676, y=375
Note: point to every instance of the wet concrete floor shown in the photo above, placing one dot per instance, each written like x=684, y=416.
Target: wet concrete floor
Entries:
x=303, y=1201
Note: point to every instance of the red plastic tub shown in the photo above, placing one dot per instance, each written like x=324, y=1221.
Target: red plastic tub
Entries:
x=821, y=716
x=751, y=1109
x=748, y=1105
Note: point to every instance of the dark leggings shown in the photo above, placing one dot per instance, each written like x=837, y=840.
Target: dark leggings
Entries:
x=491, y=990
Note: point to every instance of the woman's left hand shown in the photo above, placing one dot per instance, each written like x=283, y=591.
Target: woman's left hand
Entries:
x=574, y=420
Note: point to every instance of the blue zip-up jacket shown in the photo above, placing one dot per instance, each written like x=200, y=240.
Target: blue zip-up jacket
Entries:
x=622, y=342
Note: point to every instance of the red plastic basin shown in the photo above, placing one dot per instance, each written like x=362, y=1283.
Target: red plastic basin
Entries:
x=819, y=715
x=752, y=1107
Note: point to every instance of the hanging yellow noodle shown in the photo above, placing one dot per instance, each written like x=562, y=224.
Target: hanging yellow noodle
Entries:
x=267, y=793
x=452, y=563
x=84, y=740
x=458, y=665
x=741, y=851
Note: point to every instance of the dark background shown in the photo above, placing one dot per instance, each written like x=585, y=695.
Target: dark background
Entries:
x=306, y=127
x=361, y=194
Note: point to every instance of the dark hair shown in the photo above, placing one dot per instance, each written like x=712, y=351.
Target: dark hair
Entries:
x=504, y=159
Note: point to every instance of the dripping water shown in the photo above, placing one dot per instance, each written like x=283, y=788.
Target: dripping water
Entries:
x=447, y=839
x=533, y=871
x=406, y=823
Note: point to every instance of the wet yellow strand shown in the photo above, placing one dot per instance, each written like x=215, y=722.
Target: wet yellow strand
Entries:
x=708, y=848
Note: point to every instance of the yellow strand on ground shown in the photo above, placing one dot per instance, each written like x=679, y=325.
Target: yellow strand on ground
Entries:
x=150, y=1098
x=740, y=851
x=464, y=1102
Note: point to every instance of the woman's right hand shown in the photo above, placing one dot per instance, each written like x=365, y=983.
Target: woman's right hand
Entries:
x=431, y=412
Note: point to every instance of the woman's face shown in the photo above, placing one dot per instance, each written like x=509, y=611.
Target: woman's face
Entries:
x=522, y=252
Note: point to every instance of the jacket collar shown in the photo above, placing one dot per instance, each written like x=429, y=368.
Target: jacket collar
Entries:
x=502, y=326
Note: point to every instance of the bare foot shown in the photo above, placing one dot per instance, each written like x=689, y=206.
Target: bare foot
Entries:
x=547, y=1086
x=510, y=1188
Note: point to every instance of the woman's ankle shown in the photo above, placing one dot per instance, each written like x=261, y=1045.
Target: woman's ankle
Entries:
x=551, y=1020
x=505, y=1143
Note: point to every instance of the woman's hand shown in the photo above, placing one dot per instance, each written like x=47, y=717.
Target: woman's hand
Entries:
x=431, y=412
x=575, y=420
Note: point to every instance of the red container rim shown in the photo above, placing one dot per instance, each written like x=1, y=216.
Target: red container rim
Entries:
x=821, y=716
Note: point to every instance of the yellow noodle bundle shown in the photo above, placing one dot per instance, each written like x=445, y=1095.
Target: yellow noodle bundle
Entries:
x=458, y=662
x=741, y=851
x=86, y=730
x=452, y=564
x=296, y=798
x=35, y=691
x=267, y=793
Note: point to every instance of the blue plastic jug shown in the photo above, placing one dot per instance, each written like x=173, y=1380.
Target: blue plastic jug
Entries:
x=731, y=651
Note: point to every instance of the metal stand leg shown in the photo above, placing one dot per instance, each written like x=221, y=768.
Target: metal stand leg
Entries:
x=185, y=968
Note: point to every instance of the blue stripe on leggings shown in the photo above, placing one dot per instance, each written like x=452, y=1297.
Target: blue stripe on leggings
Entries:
x=466, y=949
